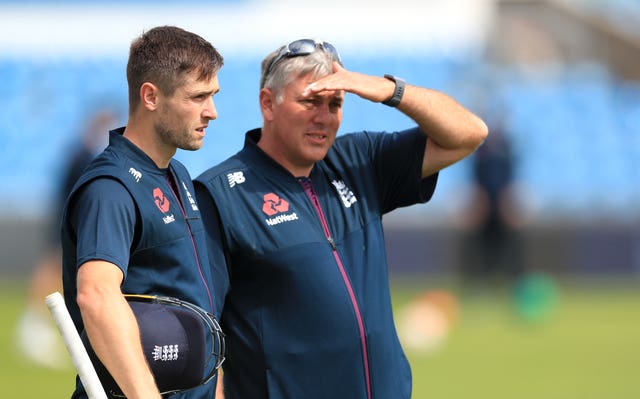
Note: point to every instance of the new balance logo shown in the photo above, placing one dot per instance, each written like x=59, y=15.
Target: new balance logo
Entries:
x=235, y=178
x=136, y=174
x=346, y=195
x=165, y=353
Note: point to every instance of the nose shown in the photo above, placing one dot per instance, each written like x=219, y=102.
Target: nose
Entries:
x=210, y=112
x=323, y=114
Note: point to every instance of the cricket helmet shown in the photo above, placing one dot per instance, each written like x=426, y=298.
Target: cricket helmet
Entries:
x=183, y=344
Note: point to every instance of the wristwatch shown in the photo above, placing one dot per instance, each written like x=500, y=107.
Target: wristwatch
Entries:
x=397, y=93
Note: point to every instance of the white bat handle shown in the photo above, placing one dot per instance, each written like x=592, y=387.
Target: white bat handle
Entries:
x=74, y=345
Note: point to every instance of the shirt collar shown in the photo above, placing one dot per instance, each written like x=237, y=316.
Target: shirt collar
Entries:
x=121, y=145
x=262, y=158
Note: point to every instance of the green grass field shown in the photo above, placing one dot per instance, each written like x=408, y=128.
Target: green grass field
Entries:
x=587, y=348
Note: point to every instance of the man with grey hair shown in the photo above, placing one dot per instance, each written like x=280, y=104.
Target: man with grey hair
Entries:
x=308, y=314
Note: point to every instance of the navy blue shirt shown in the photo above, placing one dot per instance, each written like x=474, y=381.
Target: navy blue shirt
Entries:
x=309, y=311
x=145, y=220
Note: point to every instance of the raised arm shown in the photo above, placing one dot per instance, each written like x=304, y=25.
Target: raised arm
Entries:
x=453, y=131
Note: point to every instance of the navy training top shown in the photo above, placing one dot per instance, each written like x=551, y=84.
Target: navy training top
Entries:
x=124, y=210
x=309, y=311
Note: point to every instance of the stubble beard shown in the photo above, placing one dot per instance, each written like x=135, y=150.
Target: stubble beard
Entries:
x=179, y=138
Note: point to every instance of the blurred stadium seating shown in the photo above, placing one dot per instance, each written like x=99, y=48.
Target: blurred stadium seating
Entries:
x=572, y=114
x=577, y=134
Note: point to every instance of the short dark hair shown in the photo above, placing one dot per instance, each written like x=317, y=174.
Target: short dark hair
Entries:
x=164, y=55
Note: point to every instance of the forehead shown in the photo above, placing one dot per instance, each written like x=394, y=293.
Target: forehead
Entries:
x=191, y=83
x=299, y=83
x=310, y=77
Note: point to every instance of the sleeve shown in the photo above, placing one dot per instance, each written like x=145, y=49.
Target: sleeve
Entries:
x=104, y=224
x=397, y=161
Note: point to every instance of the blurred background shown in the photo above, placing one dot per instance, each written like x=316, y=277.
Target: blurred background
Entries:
x=520, y=279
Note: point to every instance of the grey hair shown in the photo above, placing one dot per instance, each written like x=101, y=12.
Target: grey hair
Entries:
x=319, y=64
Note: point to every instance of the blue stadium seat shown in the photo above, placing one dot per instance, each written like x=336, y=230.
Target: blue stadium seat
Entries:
x=576, y=137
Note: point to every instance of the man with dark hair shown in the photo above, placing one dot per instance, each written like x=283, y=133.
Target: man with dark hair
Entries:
x=131, y=224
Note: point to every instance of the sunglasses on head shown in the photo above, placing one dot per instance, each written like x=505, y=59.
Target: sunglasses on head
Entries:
x=300, y=48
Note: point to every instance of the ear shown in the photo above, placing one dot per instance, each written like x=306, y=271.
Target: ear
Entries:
x=267, y=102
x=149, y=94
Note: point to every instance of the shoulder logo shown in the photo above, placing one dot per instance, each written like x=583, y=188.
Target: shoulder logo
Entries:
x=346, y=195
x=235, y=178
x=273, y=205
x=136, y=174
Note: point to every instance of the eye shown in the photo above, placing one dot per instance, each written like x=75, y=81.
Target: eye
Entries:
x=202, y=97
x=335, y=106
x=308, y=102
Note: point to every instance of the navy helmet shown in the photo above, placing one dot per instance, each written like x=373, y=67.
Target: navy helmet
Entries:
x=174, y=340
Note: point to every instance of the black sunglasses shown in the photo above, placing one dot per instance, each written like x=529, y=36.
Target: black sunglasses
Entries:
x=300, y=48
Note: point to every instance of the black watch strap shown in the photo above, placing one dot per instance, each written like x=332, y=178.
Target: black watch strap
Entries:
x=397, y=93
